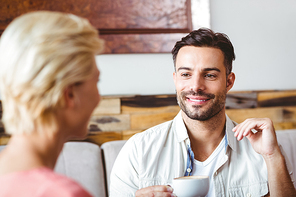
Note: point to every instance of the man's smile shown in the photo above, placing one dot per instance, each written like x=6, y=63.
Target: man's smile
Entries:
x=197, y=100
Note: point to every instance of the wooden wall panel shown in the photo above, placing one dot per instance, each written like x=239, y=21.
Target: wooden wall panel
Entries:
x=144, y=121
x=239, y=115
x=275, y=94
x=284, y=125
x=241, y=100
x=282, y=117
x=121, y=117
x=149, y=101
x=277, y=98
x=1, y=126
x=102, y=137
x=109, y=123
x=158, y=103
x=108, y=106
x=4, y=139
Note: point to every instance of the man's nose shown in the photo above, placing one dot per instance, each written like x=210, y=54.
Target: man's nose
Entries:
x=197, y=84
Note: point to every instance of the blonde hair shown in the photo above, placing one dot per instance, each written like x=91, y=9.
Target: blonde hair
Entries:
x=41, y=53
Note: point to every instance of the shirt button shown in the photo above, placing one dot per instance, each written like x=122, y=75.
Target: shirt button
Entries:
x=248, y=195
x=188, y=170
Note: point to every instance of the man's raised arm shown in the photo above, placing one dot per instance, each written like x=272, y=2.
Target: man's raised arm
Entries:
x=261, y=134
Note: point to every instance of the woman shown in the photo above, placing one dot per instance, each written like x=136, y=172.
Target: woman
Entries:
x=48, y=83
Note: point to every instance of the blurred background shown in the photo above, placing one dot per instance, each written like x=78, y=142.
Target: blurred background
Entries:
x=264, y=37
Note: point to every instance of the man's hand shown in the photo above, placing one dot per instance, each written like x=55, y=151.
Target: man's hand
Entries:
x=156, y=191
x=261, y=134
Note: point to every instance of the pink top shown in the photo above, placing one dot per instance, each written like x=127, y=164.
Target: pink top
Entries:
x=39, y=182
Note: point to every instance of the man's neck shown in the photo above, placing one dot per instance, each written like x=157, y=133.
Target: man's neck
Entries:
x=205, y=136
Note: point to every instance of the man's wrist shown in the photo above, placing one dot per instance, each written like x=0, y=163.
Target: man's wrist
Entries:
x=277, y=156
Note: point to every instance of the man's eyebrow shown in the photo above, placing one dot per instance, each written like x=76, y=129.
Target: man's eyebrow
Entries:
x=212, y=69
x=205, y=69
x=184, y=68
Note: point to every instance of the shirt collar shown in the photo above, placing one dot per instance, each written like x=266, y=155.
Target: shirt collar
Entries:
x=180, y=128
x=181, y=131
x=231, y=140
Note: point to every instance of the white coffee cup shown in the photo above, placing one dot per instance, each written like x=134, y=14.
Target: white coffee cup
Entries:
x=191, y=186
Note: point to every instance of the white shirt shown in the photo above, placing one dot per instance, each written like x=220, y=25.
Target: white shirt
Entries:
x=159, y=154
x=210, y=165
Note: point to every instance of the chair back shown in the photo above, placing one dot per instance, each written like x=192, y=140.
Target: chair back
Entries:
x=110, y=151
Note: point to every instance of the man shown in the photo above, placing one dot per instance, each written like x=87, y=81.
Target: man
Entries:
x=200, y=139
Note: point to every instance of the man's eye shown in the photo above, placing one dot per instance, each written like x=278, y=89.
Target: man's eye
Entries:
x=185, y=75
x=210, y=76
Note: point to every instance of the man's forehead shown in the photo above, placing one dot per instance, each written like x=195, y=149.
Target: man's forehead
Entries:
x=203, y=58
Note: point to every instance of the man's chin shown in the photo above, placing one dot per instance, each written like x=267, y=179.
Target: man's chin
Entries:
x=200, y=116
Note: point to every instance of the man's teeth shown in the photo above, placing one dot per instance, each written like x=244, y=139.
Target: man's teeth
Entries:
x=195, y=100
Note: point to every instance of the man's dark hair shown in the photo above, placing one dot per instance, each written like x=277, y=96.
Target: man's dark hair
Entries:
x=204, y=37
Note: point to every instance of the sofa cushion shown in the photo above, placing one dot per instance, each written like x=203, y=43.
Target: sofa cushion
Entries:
x=110, y=151
x=82, y=161
x=287, y=139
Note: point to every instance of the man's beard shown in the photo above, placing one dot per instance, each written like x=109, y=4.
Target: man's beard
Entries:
x=217, y=101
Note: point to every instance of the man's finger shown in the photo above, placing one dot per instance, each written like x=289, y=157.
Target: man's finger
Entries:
x=155, y=190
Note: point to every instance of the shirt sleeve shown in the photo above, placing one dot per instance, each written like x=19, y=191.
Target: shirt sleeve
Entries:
x=124, y=178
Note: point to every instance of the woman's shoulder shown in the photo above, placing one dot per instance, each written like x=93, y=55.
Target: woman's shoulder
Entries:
x=60, y=185
x=42, y=182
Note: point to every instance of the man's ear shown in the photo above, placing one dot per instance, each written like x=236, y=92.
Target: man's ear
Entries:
x=174, y=77
x=69, y=96
x=230, y=81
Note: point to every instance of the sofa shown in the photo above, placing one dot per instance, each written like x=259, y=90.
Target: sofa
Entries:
x=91, y=165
